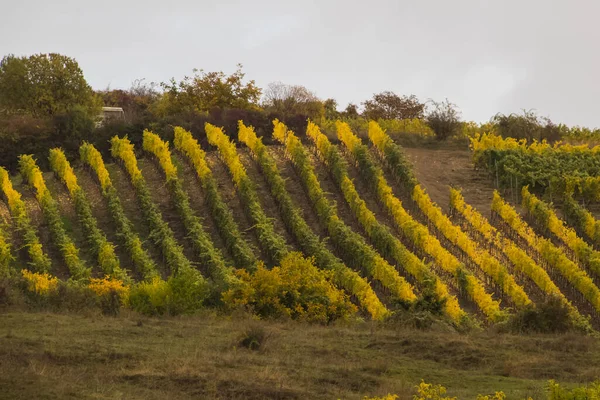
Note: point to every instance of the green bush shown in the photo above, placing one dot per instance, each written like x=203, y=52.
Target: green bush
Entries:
x=551, y=316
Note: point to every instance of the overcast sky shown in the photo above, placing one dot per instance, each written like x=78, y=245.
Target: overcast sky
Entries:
x=485, y=56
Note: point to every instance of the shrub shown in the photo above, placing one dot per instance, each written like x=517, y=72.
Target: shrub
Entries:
x=528, y=126
x=151, y=298
x=73, y=296
x=556, y=392
x=189, y=290
x=296, y=289
x=551, y=316
x=112, y=294
x=40, y=283
x=8, y=292
x=254, y=337
x=444, y=119
x=427, y=391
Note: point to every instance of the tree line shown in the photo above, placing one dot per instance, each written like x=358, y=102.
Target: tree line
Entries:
x=45, y=101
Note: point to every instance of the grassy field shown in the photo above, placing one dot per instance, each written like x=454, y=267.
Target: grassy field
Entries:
x=75, y=356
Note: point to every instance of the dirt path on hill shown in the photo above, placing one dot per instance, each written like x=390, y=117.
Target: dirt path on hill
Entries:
x=436, y=169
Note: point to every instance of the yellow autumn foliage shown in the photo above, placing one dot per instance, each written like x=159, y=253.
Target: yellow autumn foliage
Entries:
x=104, y=286
x=40, y=283
x=295, y=289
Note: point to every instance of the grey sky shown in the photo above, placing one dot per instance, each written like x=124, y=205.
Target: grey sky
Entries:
x=485, y=56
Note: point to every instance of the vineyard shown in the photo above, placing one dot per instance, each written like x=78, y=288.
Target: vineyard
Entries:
x=325, y=225
x=170, y=228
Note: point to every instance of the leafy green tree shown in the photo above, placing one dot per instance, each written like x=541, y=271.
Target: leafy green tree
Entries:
x=331, y=111
x=351, y=111
x=528, y=126
x=43, y=85
x=205, y=91
x=388, y=105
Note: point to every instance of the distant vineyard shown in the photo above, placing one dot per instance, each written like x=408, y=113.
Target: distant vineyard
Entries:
x=307, y=229
x=559, y=170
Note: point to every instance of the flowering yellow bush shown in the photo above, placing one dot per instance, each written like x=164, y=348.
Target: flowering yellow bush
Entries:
x=428, y=391
x=40, y=283
x=296, y=289
x=106, y=285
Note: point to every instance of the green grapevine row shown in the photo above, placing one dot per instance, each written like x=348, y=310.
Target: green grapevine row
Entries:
x=550, y=253
x=191, y=287
x=583, y=220
x=203, y=245
x=103, y=250
x=355, y=249
x=381, y=237
x=70, y=253
x=309, y=241
x=228, y=229
x=38, y=259
x=417, y=233
x=140, y=258
x=273, y=244
x=547, y=219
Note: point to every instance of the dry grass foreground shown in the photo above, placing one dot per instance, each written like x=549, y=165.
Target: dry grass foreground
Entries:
x=75, y=356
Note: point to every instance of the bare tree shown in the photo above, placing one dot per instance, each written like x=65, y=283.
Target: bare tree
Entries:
x=292, y=99
x=444, y=119
x=388, y=105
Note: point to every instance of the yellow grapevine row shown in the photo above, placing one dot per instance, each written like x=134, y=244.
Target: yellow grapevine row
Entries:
x=273, y=244
x=241, y=252
x=490, y=265
x=352, y=246
x=38, y=259
x=6, y=258
x=122, y=149
x=380, y=235
x=190, y=289
x=485, y=261
x=310, y=243
x=70, y=253
x=582, y=219
x=140, y=258
x=519, y=257
x=550, y=253
x=103, y=250
x=417, y=233
x=392, y=155
x=221, y=274
x=547, y=218
x=486, y=141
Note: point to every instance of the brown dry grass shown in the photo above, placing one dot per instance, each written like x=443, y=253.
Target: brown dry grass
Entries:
x=73, y=356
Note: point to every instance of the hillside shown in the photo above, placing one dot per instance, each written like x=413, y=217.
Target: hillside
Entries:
x=406, y=250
